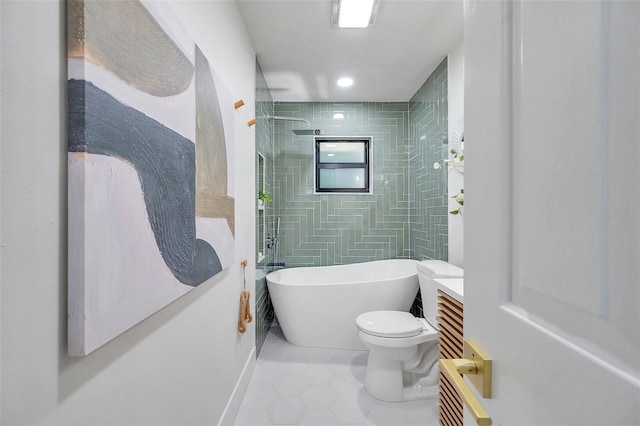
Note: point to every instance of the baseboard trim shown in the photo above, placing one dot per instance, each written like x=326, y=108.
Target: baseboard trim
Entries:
x=233, y=405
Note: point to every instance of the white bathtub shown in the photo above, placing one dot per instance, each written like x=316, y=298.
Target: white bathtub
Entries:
x=317, y=306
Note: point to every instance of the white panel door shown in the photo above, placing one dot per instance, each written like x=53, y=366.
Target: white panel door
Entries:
x=552, y=211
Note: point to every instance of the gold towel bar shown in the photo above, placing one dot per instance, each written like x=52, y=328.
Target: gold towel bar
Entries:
x=477, y=365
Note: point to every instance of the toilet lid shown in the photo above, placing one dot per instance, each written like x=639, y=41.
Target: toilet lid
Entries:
x=389, y=324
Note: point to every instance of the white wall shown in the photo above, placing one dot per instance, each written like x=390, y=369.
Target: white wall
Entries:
x=179, y=366
x=456, y=180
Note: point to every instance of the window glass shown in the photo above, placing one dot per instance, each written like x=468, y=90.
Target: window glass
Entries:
x=342, y=165
x=342, y=178
x=342, y=152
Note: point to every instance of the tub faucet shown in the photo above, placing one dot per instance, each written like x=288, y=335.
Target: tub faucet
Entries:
x=270, y=241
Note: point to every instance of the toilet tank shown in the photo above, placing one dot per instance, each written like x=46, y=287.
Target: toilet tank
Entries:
x=428, y=271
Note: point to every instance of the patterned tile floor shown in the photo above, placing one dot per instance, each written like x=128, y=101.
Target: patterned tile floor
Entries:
x=293, y=385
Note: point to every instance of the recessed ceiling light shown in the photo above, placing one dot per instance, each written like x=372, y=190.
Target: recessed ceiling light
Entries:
x=345, y=82
x=353, y=13
x=338, y=116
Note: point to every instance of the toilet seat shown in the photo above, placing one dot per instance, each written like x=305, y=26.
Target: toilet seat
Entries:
x=394, y=329
x=390, y=324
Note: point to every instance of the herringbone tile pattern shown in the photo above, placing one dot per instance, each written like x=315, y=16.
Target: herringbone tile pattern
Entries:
x=428, y=216
x=328, y=229
x=428, y=112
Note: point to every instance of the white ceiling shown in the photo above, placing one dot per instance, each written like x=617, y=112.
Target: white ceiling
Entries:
x=302, y=54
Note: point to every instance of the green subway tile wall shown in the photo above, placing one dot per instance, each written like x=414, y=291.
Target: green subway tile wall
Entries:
x=264, y=313
x=428, y=118
x=331, y=229
x=428, y=112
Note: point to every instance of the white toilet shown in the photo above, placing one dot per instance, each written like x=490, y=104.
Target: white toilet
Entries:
x=403, y=349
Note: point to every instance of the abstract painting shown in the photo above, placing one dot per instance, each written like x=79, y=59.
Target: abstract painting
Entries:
x=150, y=158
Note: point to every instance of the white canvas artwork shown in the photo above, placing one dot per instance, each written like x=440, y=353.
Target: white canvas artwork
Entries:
x=151, y=197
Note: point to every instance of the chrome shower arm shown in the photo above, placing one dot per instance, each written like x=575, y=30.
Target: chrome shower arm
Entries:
x=275, y=117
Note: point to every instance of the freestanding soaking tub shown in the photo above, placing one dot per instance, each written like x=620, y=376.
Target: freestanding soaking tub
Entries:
x=317, y=306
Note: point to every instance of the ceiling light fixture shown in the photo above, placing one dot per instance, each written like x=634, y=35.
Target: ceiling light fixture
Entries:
x=353, y=13
x=345, y=82
x=338, y=116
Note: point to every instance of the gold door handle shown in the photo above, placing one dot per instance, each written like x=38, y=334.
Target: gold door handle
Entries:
x=477, y=365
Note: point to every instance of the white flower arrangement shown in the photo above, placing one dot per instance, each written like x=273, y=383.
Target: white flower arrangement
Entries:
x=455, y=162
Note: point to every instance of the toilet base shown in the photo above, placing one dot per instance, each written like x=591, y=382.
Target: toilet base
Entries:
x=407, y=393
x=385, y=381
x=417, y=391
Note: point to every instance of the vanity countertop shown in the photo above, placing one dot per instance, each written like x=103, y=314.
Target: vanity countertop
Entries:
x=454, y=287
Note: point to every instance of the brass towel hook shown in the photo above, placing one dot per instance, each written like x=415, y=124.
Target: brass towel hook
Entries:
x=244, y=264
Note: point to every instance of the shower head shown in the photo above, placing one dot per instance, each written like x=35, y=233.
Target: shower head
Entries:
x=299, y=132
x=307, y=132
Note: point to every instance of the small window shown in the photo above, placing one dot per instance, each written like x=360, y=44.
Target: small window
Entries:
x=342, y=165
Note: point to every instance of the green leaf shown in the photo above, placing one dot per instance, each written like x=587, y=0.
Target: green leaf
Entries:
x=263, y=196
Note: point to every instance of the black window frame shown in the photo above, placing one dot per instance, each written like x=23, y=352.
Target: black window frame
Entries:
x=366, y=165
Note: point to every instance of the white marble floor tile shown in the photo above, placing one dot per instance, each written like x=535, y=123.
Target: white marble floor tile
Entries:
x=417, y=411
x=260, y=397
x=292, y=385
x=252, y=418
x=319, y=417
x=350, y=409
x=318, y=396
x=318, y=374
x=287, y=410
x=384, y=416
x=345, y=384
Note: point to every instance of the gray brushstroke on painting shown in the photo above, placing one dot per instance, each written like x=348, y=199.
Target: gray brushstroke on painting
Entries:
x=165, y=163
